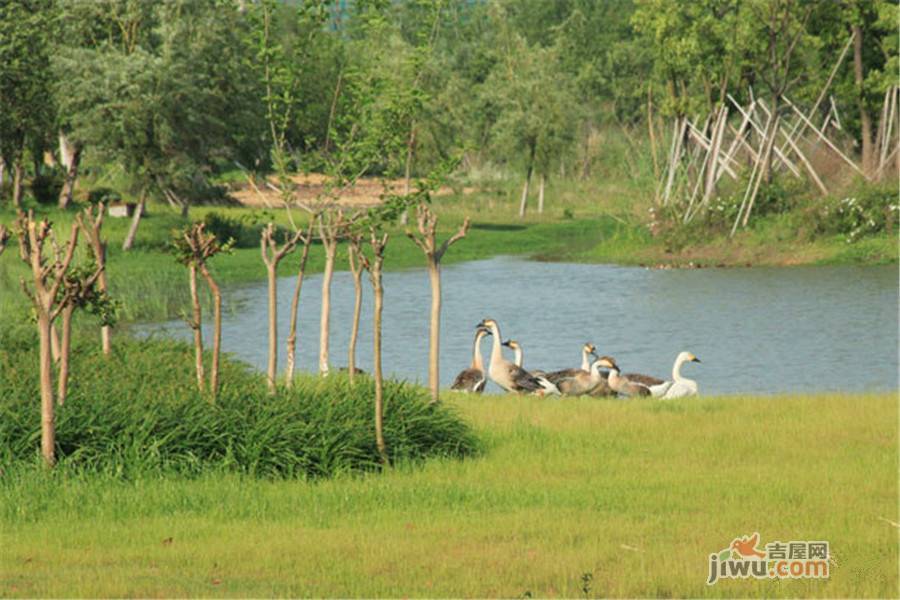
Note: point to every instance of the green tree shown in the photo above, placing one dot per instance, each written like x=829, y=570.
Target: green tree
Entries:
x=26, y=27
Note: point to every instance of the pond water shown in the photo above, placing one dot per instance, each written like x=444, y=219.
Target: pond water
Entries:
x=756, y=330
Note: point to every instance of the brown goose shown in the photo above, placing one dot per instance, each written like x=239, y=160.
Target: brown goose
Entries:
x=587, y=351
x=583, y=383
x=473, y=378
x=549, y=388
x=504, y=373
x=628, y=386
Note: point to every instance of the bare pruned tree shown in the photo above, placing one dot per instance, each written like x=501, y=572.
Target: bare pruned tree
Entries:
x=91, y=221
x=306, y=239
x=79, y=289
x=194, y=247
x=377, y=242
x=272, y=254
x=355, y=258
x=48, y=270
x=425, y=239
x=332, y=225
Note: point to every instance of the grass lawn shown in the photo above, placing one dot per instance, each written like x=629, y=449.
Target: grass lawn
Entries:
x=636, y=494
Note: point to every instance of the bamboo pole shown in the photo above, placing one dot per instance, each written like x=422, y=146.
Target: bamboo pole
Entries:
x=824, y=138
x=785, y=160
x=793, y=145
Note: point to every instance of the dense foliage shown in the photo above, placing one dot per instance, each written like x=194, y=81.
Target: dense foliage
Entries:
x=136, y=413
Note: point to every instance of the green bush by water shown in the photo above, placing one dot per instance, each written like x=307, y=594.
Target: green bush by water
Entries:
x=138, y=412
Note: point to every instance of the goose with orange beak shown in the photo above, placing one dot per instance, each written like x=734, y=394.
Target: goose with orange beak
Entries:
x=504, y=373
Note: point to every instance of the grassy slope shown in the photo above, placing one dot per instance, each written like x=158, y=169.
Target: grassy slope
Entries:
x=636, y=493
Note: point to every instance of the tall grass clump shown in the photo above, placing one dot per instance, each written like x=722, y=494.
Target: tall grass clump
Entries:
x=136, y=413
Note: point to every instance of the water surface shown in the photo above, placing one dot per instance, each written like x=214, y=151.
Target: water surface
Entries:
x=756, y=330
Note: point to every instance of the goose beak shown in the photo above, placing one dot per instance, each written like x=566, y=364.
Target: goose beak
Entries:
x=695, y=359
x=506, y=343
x=480, y=325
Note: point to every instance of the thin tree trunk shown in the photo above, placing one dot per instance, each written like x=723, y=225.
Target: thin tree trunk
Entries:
x=17, y=184
x=541, y=196
x=197, y=320
x=865, y=120
x=65, y=350
x=71, y=158
x=295, y=307
x=272, y=276
x=48, y=418
x=135, y=221
x=54, y=343
x=357, y=309
x=434, y=275
x=404, y=218
x=217, y=331
x=376, y=357
x=324, y=320
x=527, y=181
x=524, y=195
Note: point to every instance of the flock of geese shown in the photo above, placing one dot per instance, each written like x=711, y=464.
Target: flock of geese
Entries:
x=590, y=379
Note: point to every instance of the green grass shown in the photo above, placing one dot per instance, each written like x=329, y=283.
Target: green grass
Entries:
x=636, y=493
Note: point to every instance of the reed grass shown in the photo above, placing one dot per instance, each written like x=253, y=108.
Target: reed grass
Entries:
x=137, y=413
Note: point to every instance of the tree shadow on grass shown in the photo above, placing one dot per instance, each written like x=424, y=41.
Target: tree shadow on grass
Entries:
x=498, y=227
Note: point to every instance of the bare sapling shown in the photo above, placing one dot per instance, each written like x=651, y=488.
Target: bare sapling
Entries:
x=374, y=267
x=272, y=254
x=332, y=225
x=306, y=239
x=48, y=271
x=354, y=256
x=194, y=247
x=91, y=222
x=426, y=240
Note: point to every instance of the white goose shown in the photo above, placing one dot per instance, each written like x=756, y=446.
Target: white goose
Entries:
x=507, y=375
x=681, y=387
x=473, y=378
x=548, y=386
x=635, y=384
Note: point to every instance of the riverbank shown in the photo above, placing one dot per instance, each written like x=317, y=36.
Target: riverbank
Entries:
x=574, y=498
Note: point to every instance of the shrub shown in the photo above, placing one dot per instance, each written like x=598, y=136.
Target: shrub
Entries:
x=137, y=413
x=245, y=230
x=103, y=194
x=869, y=210
x=46, y=188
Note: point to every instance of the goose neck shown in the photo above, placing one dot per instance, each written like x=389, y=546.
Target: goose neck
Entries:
x=496, y=350
x=477, y=361
x=676, y=369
